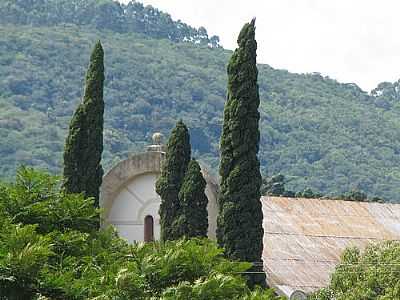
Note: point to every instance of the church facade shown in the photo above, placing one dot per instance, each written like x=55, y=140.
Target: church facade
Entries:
x=129, y=200
x=303, y=238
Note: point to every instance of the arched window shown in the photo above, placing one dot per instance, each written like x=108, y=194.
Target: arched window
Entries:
x=148, y=229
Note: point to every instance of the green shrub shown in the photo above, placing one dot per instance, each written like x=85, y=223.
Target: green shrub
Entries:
x=373, y=274
x=49, y=249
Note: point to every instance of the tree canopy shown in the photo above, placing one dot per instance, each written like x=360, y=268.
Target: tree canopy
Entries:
x=193, y=218
x=371, y=274
x=168, y=185
x=325, y=135
x=104, y=15
x=50, y=248
x=240, y=218
x=83, y=171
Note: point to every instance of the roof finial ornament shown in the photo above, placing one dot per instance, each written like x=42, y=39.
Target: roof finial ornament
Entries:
x=157, y=145
x=157, y=138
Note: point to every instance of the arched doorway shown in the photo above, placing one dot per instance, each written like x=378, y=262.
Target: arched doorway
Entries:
x=148, y=229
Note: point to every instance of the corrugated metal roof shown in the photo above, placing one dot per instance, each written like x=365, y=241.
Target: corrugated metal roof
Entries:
x=304, y=238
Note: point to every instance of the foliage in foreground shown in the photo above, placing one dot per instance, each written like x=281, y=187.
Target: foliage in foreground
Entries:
x=83, y=171
x=168, y=185
x=372, y=275
x=193, y=219
x=50, y=249
x=240, y=217
x=181, y=186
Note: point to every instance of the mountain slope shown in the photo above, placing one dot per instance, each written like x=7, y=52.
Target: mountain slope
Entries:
x=325, y=135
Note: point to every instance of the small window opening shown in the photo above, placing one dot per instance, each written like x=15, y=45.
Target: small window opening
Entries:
x=148, y=229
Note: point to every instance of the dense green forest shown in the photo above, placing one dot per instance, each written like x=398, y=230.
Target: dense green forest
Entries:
x=322, y=134
x=104, y=14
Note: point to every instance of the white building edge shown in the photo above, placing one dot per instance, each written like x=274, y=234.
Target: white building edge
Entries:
x=303, y=238
x=130, y=202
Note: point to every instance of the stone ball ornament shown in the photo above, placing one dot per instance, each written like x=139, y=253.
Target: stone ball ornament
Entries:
x=157, y=138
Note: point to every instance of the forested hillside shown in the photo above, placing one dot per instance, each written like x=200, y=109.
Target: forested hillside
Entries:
x=322, y=134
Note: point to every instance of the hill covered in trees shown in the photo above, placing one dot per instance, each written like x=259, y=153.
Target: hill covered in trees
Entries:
x=322, y=134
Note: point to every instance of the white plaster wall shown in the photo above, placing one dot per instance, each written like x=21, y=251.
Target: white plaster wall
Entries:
x=131, y=233
x=134, y=202
x=212, y=208
x=128, y=195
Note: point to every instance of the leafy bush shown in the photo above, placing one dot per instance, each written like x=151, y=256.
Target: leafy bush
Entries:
x=373, y=274
x=49, y=249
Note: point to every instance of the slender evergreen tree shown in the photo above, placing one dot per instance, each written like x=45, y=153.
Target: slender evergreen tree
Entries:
x=240, y=218
x=84, y=145
x=169, y=183
x=193, y=215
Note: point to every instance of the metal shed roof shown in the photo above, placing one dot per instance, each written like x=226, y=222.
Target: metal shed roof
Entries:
x=304, y=238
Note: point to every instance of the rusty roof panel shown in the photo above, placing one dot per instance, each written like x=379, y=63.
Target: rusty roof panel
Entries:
x=304, y=238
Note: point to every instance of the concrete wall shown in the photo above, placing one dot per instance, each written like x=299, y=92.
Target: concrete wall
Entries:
x=128, y=195
x=136, y=200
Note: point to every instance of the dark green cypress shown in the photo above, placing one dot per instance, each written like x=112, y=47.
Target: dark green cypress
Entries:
x=84, y=145
x=240, y=218
x=193, y=216
x=169, y=183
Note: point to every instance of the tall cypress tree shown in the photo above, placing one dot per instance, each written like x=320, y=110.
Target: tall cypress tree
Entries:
x=240, y=218
x=193, y=215
x=84, y=145
x=169, y=183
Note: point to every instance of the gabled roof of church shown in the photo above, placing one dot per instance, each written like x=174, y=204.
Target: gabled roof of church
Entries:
x=304, y=238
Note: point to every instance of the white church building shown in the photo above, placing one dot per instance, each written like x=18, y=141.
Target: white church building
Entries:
x=303, y=238
x=130, y=202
